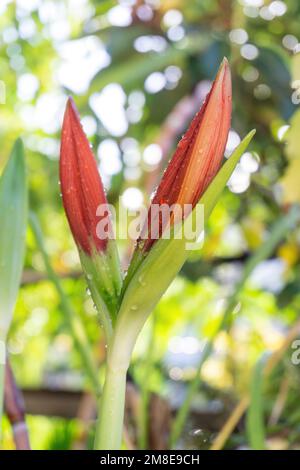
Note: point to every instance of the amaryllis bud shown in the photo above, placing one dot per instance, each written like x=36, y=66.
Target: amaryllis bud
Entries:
x=86, y=207
x=81, y=185
x=197, y=158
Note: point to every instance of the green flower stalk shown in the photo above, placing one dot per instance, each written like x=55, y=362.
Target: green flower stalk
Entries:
x=194, y=176
x=13, y=220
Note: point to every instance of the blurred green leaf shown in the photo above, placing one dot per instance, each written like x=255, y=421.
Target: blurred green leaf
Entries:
x=135, y=69
x=275, y=73
x=255, y=418
x=13, y=220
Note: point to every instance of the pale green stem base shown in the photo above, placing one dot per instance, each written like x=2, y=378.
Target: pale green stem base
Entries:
x=111, y=410
x=112, y=402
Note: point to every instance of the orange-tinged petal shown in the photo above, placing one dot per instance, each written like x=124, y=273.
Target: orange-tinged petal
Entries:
x=199, y=154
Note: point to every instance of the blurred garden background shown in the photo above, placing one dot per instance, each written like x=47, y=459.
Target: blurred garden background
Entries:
x=138, y=71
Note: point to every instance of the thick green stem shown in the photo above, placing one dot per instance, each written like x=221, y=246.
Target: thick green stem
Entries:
x=112, y=402
x=111, y=410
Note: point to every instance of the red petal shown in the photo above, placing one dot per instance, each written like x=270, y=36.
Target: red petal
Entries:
x=81, y=185
x=199, y=154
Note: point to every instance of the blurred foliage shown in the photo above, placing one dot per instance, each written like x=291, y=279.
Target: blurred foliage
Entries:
x=128, y=64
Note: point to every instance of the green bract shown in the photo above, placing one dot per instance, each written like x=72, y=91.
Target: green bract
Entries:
x=103, y=275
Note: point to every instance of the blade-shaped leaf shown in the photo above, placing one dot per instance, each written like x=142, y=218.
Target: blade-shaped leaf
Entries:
x=13, y=219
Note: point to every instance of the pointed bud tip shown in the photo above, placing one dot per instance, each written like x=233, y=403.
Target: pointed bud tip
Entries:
x=224, y=68
x=223, y=78
x=222, y=82
x=71, y=108
x=225, y=61
x=70, y=102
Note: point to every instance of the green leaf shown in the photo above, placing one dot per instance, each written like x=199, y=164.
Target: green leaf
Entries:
x=274, y=70
x=13, y=220
x=149, y=277
x=255, y=419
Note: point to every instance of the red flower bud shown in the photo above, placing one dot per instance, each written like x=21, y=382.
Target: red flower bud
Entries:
x=81, y=185
x=198, y=156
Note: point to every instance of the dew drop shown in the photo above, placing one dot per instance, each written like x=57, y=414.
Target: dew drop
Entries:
x=197, y=432
x=141, y=281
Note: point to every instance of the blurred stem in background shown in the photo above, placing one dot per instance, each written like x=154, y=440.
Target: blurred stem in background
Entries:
x=278, y=232
x=73, y=320
x=145, y=393
x=255, y=418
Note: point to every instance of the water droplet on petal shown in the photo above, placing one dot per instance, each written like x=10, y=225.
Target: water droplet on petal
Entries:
x=141, y=281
